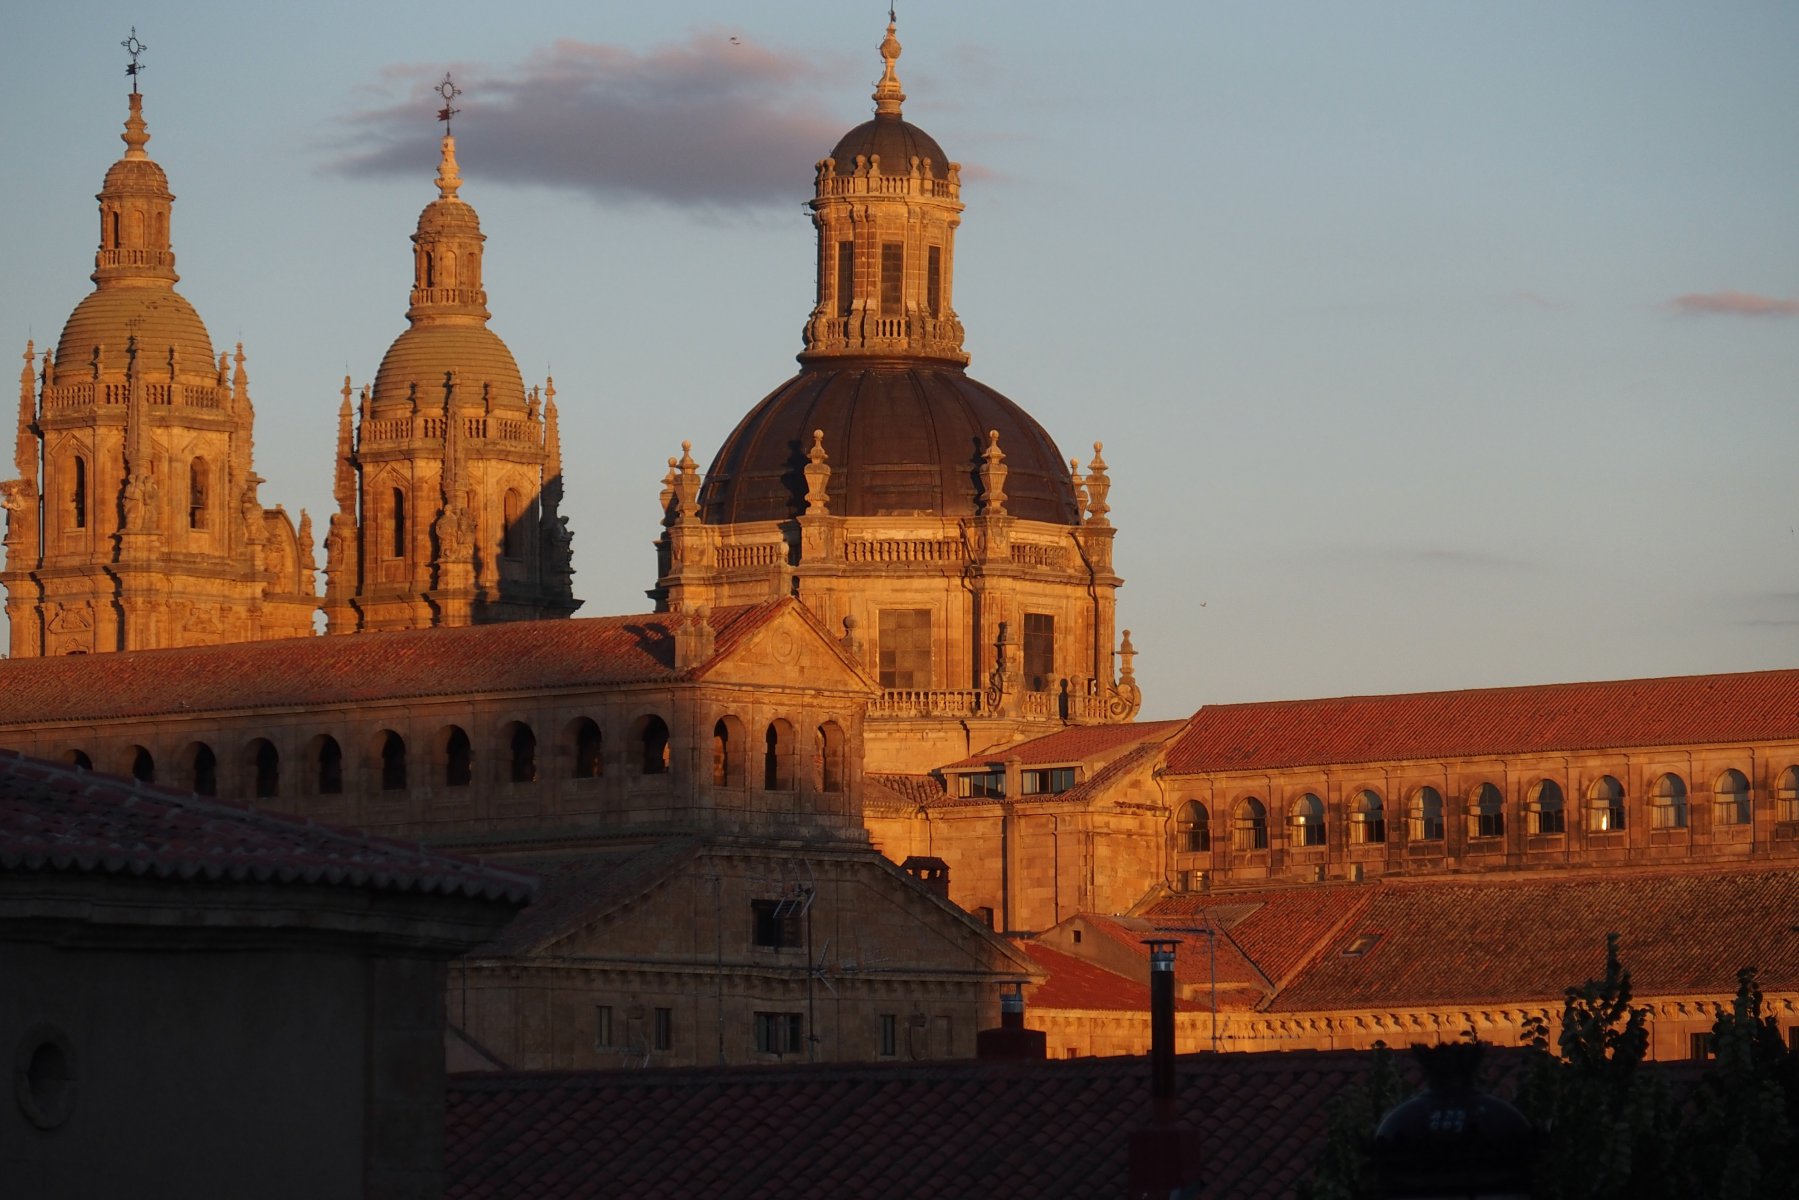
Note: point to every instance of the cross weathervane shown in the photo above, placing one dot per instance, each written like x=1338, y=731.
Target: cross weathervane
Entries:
x=133, y=47
x=449, y=91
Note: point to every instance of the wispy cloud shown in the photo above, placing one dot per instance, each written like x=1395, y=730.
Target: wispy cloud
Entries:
x=714, y=121
x=1734, y=304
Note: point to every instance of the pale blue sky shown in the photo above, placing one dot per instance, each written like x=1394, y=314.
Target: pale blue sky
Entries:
x=1433, y=344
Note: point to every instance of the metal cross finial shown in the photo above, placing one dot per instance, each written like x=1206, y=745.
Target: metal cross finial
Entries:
x=133, y=47
x=449, y=91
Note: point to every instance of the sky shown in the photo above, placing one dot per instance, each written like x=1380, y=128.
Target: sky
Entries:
x=1433, y=344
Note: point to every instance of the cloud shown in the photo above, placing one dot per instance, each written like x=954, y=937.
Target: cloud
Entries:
x=711, y=122
x=1734, y=304
x=1437, y=556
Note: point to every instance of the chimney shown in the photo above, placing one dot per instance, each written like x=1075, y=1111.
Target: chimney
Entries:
x=931, y=873
x=1165, y=1154
x=1011, y=1042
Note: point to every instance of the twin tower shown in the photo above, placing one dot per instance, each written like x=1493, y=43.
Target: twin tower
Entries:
x=922, y=516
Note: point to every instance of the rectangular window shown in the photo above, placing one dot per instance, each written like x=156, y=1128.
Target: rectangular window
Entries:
x=933, y=283
x=1050, y=781
x=779, y=1033
x=893, y=279
x=905, y=647
x=846, y=277
x=776, y=923
x=1699, y=1046
x=602, y=1026
x=1039, y=651
x=1489, y=824
x=946, y=1038
x=889, y=1035
x=982, y=783
x=665, y=1029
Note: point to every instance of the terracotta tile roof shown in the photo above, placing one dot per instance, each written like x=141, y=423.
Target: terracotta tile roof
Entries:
x=1075, y=983
x=1690, y=710
x=901, y=793
x=947, y=1130
x=575, y=891
x=1278, y=930
x=1682, y=933
x=297, y=672
x=58, y=818
x=1193, y=960
x=1074, y=744
x=1097, y=784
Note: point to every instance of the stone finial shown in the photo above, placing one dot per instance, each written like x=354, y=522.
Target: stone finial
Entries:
x=668, y=491
x=343, y=488
x=25, y=449
x=851, y=641
x=887, y=94
x=993, y=477
x=240, y=379
x=137, y=133
x=449, y=175
x=687, y=485
x=818, y=475
x=1098, y=484
x=1080, y=485
x=1127, y=657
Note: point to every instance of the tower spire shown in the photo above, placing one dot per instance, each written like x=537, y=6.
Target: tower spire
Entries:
x=887, y=95
x=449, y=176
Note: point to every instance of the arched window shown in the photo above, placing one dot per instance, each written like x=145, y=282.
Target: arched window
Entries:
x=730, y=749
x=1486, y=812
x=1427, y=815
x=196, y=494
x=265, y=764
x=721, y=753
x=1786, y=795
x=1605, y=805
x=1668, y=802
x=828, y=758
x=512, y=533
x=1193, y=828
x=1730, y=799
x=588, y=762
x=78, y=492
x=1307, y=818
x=521, y=747
x=1546, y=808
x=1250, y=830
x=203, y=769
x=1367, y=818
x=652, y=742
x=777, y=757
x=399, y=523
x=140, y=764
x=328, y=766
x=430, y=270
x=78, y=758
x=393, y=762
x=458, y=757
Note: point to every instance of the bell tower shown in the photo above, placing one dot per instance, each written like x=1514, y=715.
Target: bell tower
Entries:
x=134, y=521
x=449, y=492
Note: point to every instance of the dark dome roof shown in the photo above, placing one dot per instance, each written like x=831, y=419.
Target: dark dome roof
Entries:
x=897, y=142
x=902, y=439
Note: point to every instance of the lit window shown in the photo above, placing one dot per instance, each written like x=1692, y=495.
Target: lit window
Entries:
x=1368, y=819
x=1546, y=808
x=1786, y=795
x=1668, y=803
x=1605, y=805
x=1486, y=813
x=1308, y=821
x=1731, y=799
x=1047, y=782
x=1427, y=815
x=1193, y=829
x=982, y=783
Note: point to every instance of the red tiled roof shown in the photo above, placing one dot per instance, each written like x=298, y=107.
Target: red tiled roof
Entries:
x=1681, y=933
x=946, y=1130
x=1690, y=710
x=64, y=819
x=1071, y=745
x=1078, y=984
x=1278, y=929
x=901, y=792
x=298, y=672
x=1193, y=958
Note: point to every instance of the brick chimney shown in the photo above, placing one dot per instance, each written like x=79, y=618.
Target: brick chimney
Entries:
x=1164, y=1154
x=1011, y=1042
x=932, y=874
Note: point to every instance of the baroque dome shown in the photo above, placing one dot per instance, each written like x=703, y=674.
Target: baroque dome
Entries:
x=903, y=439
x=897, y=142
x=160, y=317
x=425, y=354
